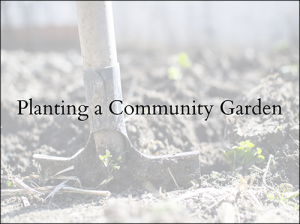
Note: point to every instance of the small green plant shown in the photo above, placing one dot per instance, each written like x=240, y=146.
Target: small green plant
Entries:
x=119, y=159
x=106, y=159
x=182, y=61
x=243, y=155
x=282, y=198
x=174, y=73
x=115, y=166
x=8, y=183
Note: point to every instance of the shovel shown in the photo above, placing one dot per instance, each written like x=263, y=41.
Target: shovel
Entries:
x=109, y=153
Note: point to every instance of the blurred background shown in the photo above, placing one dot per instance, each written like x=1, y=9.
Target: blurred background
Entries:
x=149, y=26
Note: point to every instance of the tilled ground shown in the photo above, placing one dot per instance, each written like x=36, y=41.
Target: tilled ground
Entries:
x=220, y=195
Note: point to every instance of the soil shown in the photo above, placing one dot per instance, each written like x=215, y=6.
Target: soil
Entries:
x=217, y=195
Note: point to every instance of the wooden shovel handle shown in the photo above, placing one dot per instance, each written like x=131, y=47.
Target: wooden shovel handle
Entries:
x=96, y=34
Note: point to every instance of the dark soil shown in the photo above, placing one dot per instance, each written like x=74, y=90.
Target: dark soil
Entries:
x=215, y=75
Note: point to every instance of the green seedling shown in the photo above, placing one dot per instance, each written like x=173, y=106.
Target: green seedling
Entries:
x=8, y=183
x=182, y=61
x=282, y=199
x=115, y=166
x=243, y=155
x=108, y=161
x=119, y=159
x=105, y=159
x=174, y=73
